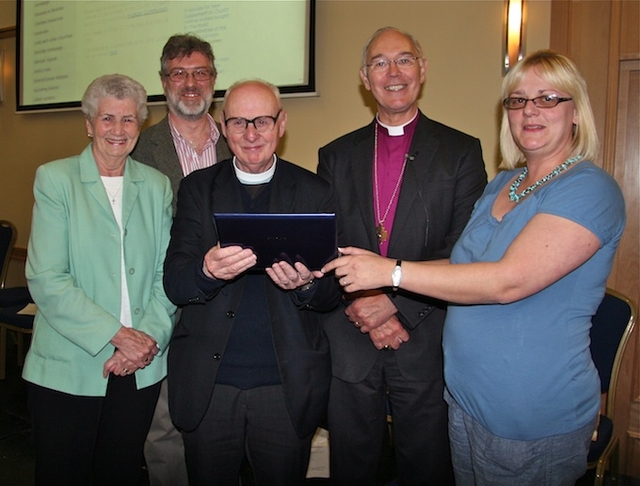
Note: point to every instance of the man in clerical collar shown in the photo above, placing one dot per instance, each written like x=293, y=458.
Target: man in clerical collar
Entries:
x=249, y=366
x=404, y=187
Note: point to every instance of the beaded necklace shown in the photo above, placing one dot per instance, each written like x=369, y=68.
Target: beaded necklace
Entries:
x=513, y=196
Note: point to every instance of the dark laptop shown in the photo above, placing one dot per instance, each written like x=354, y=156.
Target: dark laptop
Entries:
x=310, y=238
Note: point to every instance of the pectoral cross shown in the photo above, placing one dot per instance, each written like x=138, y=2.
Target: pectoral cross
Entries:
x=381, y=233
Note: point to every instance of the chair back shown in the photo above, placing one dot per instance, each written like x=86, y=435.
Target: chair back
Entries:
x=611, y=329
x=7, y=241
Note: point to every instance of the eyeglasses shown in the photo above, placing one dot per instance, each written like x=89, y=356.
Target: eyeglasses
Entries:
x=546, y=101
x=383, y=64
x=264, y=123
x=180, y=75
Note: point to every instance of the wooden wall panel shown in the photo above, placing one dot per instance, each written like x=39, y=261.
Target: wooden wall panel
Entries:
x=626, y=271
x=622, y=146
x=589, y=48
x=630, y=30
x=602, y=37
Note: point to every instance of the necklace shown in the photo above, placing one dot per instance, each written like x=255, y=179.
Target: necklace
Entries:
x=112, y=196
x=513, y=196
x=381, y=231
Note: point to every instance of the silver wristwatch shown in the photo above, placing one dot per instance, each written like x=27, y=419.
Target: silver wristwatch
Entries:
x=396, y=275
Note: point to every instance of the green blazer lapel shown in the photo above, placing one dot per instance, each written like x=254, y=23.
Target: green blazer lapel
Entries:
x=90, y=177
x=133, y=177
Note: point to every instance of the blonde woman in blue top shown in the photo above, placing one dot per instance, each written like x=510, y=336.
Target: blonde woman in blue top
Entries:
x=98, y=239
x=524, y=279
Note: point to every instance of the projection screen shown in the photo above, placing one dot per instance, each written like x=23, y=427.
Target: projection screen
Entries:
x=65, y=44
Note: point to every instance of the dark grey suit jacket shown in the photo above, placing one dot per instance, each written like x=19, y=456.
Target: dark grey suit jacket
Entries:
x=442, y=181
x=155, y=148
x=209, y=306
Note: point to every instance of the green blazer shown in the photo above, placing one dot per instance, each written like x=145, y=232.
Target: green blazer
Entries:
x=74, y=272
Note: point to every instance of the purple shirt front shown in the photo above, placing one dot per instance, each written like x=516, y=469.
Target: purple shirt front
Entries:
x=393, y=148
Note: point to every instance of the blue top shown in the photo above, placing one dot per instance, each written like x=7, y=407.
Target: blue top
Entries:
x=524, y=369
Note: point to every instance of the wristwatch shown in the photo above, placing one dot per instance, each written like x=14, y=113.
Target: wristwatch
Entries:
x=396, y=275
x=308, y=286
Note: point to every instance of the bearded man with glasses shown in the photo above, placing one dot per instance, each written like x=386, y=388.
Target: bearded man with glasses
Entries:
x=185, y=140
x=249, y=365
x=188, y=138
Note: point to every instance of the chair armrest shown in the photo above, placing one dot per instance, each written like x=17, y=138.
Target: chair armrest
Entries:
x=14, y=296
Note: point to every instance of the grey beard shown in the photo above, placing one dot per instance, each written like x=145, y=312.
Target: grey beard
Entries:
x=192, y=112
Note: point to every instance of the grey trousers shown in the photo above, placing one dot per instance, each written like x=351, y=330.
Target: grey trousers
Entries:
x=164, y=448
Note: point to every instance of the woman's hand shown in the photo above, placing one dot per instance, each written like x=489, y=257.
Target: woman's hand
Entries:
x=136, y=346
x=358, y=269
x=119, y=365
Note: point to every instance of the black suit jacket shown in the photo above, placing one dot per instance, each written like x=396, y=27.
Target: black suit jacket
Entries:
x=209, y=306
x=442, y=181
x=155, y=148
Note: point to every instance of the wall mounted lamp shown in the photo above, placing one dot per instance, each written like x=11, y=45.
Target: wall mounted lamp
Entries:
x=1, y=76
x=513, y=49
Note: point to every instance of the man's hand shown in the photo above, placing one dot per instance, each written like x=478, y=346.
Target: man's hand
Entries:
x=370, y=310
x=228, y=262
x=391, y=334
x=289, y=277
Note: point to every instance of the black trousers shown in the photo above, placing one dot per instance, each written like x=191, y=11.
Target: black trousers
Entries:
x=91, y=440
x=358, y=419
x=254, y=423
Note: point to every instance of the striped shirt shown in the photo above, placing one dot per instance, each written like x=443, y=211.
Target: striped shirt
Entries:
x=190, y=159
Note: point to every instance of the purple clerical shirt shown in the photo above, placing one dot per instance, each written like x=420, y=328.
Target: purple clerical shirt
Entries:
x=393, y=151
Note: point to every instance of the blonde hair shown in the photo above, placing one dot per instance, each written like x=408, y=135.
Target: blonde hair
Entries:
x=561, y=73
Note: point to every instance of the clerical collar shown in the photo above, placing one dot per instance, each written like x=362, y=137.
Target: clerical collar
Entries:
x=398, y=130
x=250, y=179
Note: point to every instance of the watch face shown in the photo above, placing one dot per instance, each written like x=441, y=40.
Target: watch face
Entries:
x=396, y=276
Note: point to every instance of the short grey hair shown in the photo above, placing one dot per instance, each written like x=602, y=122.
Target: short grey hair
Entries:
x=115, y=86
x=379, y=32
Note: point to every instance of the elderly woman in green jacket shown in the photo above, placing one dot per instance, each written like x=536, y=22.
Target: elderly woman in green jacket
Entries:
x=99, y=233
